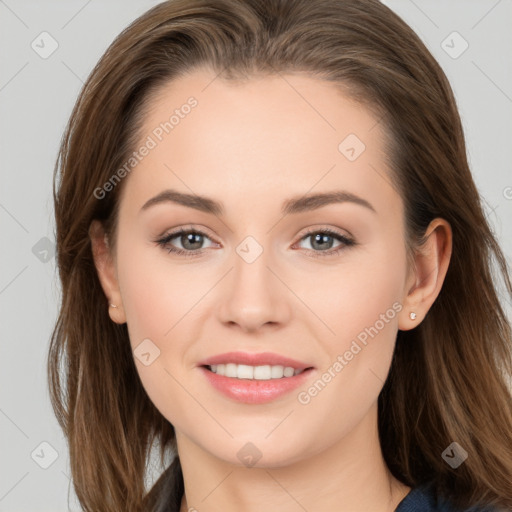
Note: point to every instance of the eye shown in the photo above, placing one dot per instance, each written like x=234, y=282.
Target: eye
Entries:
x=191, y=241
x=322, y=241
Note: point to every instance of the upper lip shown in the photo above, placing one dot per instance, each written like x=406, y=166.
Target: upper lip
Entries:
x=260, y=359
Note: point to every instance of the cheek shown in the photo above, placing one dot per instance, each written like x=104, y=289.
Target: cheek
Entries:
x=155, y=299
x=362, y=310
x=368, y=300
x=156, y=293
x=353, y=295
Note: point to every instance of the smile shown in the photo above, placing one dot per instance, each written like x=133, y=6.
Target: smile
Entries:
x=244, y=371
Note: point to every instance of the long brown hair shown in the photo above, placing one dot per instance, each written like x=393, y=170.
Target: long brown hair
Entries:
x=449, y=376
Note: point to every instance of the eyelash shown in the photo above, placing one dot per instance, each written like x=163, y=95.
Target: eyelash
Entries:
x=164, y=241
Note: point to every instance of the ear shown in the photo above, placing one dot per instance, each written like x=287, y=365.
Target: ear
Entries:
x=426, y=278
x=107, y=274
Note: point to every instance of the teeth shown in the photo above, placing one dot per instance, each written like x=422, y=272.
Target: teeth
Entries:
x=244, y=371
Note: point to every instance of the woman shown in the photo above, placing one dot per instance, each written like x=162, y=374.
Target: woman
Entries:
x=275, y=264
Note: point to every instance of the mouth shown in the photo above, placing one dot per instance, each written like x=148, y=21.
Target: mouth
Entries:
x=255, y=378
x=261, y=372
x=262, y=387
x=254, y=366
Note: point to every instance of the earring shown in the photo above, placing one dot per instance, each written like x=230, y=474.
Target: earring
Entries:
x=113, y=306
x=412, y=315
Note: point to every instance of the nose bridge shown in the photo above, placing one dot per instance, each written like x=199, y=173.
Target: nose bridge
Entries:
x=252, y=297
x=250, y=265
x=251, y=277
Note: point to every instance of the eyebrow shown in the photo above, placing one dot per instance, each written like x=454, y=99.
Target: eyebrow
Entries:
x=291, y=206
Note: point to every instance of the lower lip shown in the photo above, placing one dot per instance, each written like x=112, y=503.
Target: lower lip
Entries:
x=250, y=391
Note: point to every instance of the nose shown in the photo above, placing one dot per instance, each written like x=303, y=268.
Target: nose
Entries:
x=252, y=296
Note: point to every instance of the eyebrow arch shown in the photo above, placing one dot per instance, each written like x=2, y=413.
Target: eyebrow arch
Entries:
x=291, y=206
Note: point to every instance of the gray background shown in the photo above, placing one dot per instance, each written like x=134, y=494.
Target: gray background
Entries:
x=36, y=98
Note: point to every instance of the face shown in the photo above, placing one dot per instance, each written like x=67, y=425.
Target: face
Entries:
x=261, y=268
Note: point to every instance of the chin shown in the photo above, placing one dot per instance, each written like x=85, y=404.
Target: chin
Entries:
x=259, y=452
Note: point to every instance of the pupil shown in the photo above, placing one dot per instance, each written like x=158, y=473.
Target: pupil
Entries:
x=321, y=239
x=191, y=238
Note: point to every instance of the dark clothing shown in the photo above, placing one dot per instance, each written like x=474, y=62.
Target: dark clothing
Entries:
x=422, y=499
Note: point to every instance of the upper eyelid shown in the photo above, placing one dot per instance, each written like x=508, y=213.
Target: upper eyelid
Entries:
x=182, y=230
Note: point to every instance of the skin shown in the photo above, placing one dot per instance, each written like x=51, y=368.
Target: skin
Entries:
x=252, y=145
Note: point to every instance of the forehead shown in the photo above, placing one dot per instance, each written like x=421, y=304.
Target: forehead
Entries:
x=265, y=136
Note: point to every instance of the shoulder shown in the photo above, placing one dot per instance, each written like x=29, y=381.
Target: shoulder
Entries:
x=423, y=499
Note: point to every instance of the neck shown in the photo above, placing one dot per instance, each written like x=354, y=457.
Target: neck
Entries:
x=350, y=475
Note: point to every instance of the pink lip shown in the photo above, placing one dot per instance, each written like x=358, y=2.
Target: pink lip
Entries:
x=260, y=359
x=255, y=391
x=252, y=391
